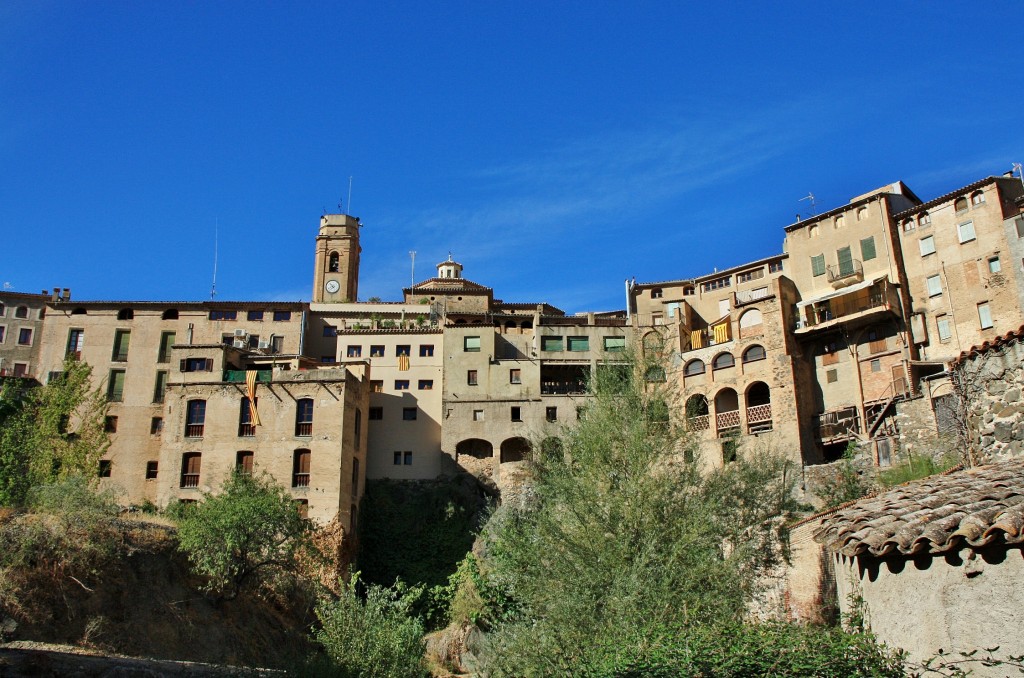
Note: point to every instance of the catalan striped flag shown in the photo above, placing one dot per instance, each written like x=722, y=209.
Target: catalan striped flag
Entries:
x=403, y=362
x=697, y=339
x=250, y=390
x=722, y=333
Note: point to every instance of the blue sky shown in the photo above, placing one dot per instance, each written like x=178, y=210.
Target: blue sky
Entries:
x=554, y=148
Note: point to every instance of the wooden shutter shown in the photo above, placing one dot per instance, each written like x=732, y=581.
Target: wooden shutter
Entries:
x=845, y=261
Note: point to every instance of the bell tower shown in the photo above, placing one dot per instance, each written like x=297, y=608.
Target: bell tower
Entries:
x=336, y=272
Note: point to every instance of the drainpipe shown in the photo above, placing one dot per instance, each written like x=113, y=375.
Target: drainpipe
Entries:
x=302, y=334
x=628, y=309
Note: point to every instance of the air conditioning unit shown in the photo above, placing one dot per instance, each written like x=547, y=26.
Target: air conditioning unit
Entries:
x=240, y=343
x=265, y=344
x=241, y=333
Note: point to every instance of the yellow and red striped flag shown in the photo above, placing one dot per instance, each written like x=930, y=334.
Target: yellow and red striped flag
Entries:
x=403, y=362
x=250, y=390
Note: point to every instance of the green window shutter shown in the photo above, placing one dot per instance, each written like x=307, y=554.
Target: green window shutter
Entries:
x=845, y=261
x=818, y=265
x=867, y=248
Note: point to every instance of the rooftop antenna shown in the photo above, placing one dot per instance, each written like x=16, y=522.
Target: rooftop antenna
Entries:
x=810, y=197
x=1020, y=173
x=216, y=237
x=412, y=254
x=8, y=286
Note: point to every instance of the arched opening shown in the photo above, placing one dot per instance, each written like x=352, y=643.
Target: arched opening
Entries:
x=977, y=198
x=170, y=314
x=722, y=361
x=515, y=449
x=924, y=219
x=653, y=344
x=693, y=368
x=125, y=314
x=759, y=407
x=527, y=325
x=510, y=327
x=754, y=353
x=79, y=311
x=727, y=412
x=697, y=412
x=334, y=263
x=960, y=204
x=474, y=447
x=839, y=221
x=751, y=323
x=460, y=321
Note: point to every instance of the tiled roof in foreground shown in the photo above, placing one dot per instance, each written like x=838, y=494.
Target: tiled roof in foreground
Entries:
x=971, y=508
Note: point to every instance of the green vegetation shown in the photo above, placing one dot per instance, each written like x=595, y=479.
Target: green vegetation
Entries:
x=50, y=432
x=847, y=483
x=252, y=530
x=914, y=468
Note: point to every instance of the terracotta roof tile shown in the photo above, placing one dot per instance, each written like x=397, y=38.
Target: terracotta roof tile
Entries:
x=988, y=345
x=974, y=507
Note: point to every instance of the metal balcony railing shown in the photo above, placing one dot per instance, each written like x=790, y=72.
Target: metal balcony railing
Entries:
x=246, y=430
x=304, y=429
x=847, y=271
x=194, y=430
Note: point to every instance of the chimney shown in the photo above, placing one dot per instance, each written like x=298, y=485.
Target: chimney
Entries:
x=67, y=294
x=56, y=294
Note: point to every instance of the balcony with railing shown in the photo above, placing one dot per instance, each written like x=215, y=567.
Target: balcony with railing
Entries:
x=862, y=301
x=700, y=422
x=759, y=418
x=847, y=272
x=238, y=376
x=246, y=430
x=726, y=422
x=189, y=480
x=193, y=430
x=744, y=297
x=838, y=424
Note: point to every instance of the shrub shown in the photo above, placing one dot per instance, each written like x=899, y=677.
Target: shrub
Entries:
x=372, y=637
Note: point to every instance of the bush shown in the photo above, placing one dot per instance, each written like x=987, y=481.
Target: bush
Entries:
x=251, y=531
x=375, y=637
x=915, y=468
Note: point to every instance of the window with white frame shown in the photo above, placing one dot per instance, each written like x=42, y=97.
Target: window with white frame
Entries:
x=965, y=231
x=934, y=283
x=944, y=328
x=994, y=265
x=927, y=245
x=984, y=315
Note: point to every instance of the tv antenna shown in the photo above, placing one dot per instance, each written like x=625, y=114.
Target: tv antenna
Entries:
x=216, y=237
x=809, y=197
x=412, y=278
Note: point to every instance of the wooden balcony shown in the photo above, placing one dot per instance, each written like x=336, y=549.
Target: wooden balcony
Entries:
x=759, y=418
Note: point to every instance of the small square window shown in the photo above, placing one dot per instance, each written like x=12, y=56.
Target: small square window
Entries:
x=151, y=469
x=832, y=376
x=398, y=458
x=407, y=457
x=376, y=413
x=984, y=315
x=354, y=352
x=408, y=414
x=426, y=384
x=110, y=424
x=377, y=385
x=330, y=331
x=282, y=316
x=994, y=265
x=965, y=231
x=551, y=413
x=105, y=467
x=478, y=415
x=579, y=343
x=927, y=245
x=426, y=350
x=254, y=316
x=615, y=344
x=376, y=351
x=934, y=286
x=517, y=413
x=156, y=426
x=471, y=344
x=876, y=365
x=943, y=327
x=515, y=376
x=775, y=267
x=403, y=349
x=401, y=384
x=471, y=378
x=25, y=336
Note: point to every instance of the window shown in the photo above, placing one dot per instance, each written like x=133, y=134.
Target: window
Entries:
x=944, y=328
x=334, y=263
x=747, y=276
x=330, y=331
x=426, y=350
x=125, y=314
x=21, y=312
x=817, y=265
x=994, y=265
x=924, y=219
x=376, y=413
x=196, y=365
x=195, y=418
x=977, y=198
x=831, y=376
x=829, y=353
x=282, y=316
x=190, y=465
x=775, y=267
x=151, y=467
x=407, y=458
x=25, y=336
x=471, y=377
x=304, y=417
x=398, y=458
x=960, y=204
x=377, y=386
x=934, y=285
x=615, y=344
x=693, y=368
x=927, y=245
x=76, y=338
x=657, y=293
x=718, y=284
x=166, y=341
x=722, y=361
x=2, y=331
x=876, y=342
x=328, y=359
x=403, y=349
x=246, y=429
x=984, y=315
x=376, y=351
x=244, y=462
x=845, y=259
x=478, y=415
x=1020, y=227
x=20, y=369
x=300, y=468
x=909, y=225
x=729, y=449
x=160, y=388
x=110, y=424
x=471, y=344
x=754, y=353
x=426, y=385
x=867, y=248
x=408, y=414
x=876, y=365
x=551, y=413
x=354, y=352
x=223, y=315
x=551, y=344
x=655, y=373
x=156, y=426
x=517, y=413
x=3, y=309
x=578, y=343
x=515, y=376
x=401, y=384
x=862, y=214
x=115, y=386
x=812, y=232
x=838, y=222
x=965, y=231
x=254, y=316
x=104, y=470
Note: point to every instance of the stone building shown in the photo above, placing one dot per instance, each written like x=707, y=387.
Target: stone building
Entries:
x=21, y=325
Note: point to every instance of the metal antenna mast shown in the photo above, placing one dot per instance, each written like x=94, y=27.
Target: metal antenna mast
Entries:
x=412, y=254
x=216, y=237
x=810, y=197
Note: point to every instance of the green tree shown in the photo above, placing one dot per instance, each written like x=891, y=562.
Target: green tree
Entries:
x=50, y=432
x=248, y=532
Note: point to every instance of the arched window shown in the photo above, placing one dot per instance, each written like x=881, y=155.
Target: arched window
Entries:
x=960, y=204
x=908, y=225
x=754, y=353
x=170, y=314
x=812, y=231
x=862, y=214
x=334, y=263
x=751, y=322
x=924, y=219
x=977, y=198
x=195, y=418
x=21, y=312
x=693, y=368
x=839, y=221
x=125, y=314
x=722, y=361
x=304, y=417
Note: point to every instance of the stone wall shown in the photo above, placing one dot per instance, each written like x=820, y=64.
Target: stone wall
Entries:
x=991, y=382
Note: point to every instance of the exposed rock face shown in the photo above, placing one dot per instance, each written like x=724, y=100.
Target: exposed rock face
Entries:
x=992, y=380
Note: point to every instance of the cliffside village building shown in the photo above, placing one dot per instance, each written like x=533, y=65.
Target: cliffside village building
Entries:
x=805, y=351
